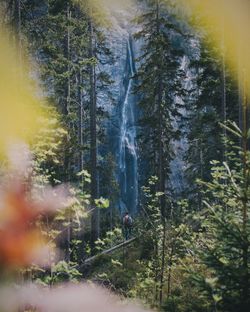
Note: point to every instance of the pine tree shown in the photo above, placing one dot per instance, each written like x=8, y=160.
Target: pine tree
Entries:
x=158, y=85
x=225, y=242
x=214, y=88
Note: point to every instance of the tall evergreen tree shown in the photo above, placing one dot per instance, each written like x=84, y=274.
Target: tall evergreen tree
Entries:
x=158, y=86
x=214, y=99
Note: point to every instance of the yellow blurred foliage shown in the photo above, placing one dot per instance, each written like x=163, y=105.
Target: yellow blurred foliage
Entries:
x=20, y=106
x=101, y=11
x=229, y=23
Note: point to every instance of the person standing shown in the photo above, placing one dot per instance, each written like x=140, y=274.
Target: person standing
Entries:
x=127, y=224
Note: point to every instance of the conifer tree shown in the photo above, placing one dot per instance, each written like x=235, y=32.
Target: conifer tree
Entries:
x=158, y=85
x=214, y=99
x=226, y=230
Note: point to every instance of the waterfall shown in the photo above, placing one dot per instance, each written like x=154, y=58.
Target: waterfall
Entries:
x=128, y=158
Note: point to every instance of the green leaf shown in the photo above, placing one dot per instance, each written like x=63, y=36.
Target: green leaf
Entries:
x=102, y=203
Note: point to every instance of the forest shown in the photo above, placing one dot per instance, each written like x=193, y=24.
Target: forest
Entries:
x=124, y=155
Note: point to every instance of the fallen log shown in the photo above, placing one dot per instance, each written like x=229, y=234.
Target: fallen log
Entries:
x=108, y=251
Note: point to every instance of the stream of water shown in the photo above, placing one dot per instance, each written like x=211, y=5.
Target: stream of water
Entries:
x=128, y=157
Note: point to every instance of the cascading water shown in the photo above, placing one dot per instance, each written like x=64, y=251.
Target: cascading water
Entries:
x=128, y=158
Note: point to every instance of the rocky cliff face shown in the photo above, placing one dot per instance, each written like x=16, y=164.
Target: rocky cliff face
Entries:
x=123, y=123
x=123, y=111
x=180, y=146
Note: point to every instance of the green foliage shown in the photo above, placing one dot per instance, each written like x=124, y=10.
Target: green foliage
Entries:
x=162, y=248
x=59, y=36
x=48, y=148
x=213, y=98
x=111, y=238
x=227, y=238
x=102, y=203
x=144, y=286
x=158, y=84
x=216, y=259
x=60, y=272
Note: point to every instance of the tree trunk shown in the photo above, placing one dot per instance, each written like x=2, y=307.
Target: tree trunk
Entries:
x=66, y=111
x=156, y=270
x=161, y=167
x=170, y=269
x=163, y=260
x=95, y=218
x=159, y=97
x=17, y=16
x=68, y=59
x=245, y=248
x=224, y=99
x=17, y=25
x=80, y=121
